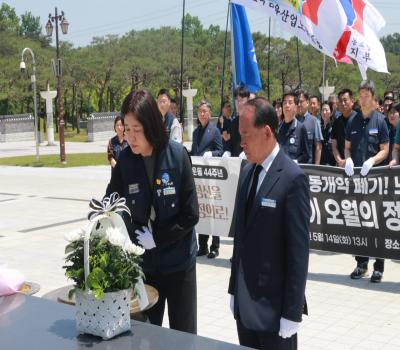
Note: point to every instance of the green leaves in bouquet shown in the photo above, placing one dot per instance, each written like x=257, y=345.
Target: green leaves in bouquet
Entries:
x=96, y=281
x=111, y=268
x=74, y=270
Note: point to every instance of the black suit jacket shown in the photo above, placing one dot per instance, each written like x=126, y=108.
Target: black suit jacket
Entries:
x=273, y=243
x=295, y=142
x=211, y=141
x=233, y=145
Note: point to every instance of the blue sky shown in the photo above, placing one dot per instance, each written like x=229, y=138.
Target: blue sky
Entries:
x=90, y=18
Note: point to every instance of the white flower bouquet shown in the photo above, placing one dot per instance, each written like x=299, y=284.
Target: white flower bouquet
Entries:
x=104, y=264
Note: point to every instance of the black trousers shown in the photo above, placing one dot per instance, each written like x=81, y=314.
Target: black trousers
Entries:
x=203, y=240
x=179, y=289
x=265, y=340
x=379, y=264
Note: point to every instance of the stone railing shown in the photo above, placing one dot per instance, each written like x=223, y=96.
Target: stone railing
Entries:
x=17, y=127
x=100, y=126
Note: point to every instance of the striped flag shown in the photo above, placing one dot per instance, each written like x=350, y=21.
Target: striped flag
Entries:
x=341, y=29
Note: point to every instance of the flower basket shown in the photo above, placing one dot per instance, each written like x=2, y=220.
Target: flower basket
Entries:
x=105, y=317
x=104, y=264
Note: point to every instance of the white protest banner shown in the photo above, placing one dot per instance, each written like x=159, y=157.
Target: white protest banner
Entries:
x=318, y=23
x=340, y=29
x=216, y=182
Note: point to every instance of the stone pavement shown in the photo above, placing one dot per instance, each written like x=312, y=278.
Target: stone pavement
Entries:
x=39, y=205
x=24, y=148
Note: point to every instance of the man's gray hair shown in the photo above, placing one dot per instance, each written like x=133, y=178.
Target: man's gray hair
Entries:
x=367, y=85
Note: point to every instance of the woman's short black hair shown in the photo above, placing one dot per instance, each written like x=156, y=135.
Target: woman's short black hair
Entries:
x=144, y=108
x=117, y=119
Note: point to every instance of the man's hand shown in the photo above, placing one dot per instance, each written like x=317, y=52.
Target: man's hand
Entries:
x=368, y=164
x=392, y=163
x=349, y=167
x=145, y=238
x=226, y=154
x=232, y=304
x=341, y=163
x=207, y=154
x=288, y=328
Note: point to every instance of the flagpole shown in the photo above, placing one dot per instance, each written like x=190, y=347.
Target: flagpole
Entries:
x=298, y=62
x=323, y=77
x=224, y=61
x=269, y=55
x=183, y=36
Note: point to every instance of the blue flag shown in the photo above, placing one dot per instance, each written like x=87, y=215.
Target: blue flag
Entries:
x=244, y=63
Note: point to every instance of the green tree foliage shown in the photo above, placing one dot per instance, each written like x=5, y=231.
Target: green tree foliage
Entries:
x=97, y=77
x=391, y=43
x=30, y=26
x=9, y=21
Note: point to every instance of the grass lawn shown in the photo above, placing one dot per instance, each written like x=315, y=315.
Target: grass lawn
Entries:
x=72, y=136
x=69, y=135
x=53, y=160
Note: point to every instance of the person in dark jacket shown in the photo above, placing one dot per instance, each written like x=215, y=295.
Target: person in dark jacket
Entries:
x=292, y=134
x=154, y=174
x=326, y=126
x=366, y=146
x=206, y=138
x=224, y=123
x=271, y=243
x=233, y=148
x=171, y=122
x=393, y=121
x=206, y=142
x=118, y=143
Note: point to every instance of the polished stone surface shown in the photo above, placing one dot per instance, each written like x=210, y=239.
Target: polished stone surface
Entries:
x=33, y=323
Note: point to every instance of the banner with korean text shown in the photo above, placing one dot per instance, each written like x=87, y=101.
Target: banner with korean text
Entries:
x=357, y=215
x=216, y=182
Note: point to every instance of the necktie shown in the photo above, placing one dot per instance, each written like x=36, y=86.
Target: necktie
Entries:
x=253, y=189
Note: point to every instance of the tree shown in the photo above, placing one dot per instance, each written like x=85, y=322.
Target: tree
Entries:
x=9, y=21
x=30, y=26
x=391, y=43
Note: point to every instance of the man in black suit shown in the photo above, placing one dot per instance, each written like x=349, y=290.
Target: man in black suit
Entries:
x=233, y=148
x=206, y=142
x=271, y=245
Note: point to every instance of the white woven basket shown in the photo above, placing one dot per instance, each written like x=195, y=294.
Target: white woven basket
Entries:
x=106, y=317
x=109, y=316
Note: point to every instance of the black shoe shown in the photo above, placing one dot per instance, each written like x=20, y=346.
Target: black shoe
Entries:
x=376, y=276
x=358, y=272
x=202, y=252
x=213, y=254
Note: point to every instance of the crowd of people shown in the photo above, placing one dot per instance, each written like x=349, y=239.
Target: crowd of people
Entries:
x=309, y=131
x=342, y=132
x=152, y=170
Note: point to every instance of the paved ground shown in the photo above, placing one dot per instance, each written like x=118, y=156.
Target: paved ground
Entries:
x=23, y=148
x=38, y=206
x=15, y=149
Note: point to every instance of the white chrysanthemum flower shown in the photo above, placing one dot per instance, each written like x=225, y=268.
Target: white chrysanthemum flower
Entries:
x=132, y=248
x=75, y=235
x=115, y=237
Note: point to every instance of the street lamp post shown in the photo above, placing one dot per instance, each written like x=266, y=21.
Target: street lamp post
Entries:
x=60, y=109
x=22, y=66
